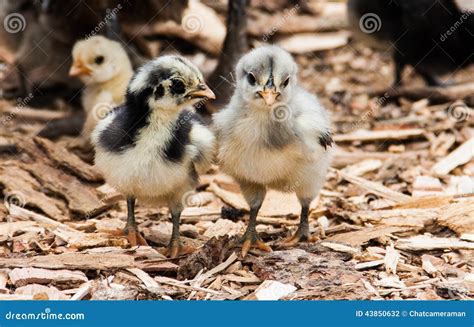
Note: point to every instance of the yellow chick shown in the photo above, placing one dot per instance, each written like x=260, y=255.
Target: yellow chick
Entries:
x=105, y=69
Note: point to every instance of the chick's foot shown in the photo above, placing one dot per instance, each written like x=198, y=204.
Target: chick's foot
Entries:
x=176, y=248
x=134, y=237
x=251, y=239
x=301, y=235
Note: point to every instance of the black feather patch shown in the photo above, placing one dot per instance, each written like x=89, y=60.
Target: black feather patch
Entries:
x=325, y=139
x=159, y=92
x=130, y=118
x=176, y=146
x=158, y=75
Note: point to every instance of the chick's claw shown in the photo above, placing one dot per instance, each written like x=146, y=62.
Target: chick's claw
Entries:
x=134, y=237
x=301, y=235
x=176, y=249
x=251, y=239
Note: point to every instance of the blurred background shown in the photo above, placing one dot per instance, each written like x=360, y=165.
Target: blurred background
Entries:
x=396, y=76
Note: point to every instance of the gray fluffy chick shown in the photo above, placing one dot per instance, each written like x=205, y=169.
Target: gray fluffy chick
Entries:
x=273, y=134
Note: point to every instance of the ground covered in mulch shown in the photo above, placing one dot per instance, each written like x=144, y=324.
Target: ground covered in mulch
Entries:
x=395, y=219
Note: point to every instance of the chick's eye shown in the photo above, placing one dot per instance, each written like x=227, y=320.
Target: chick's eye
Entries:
x=177, y=87
x=99, y=60
x=285, y=83
x=251, y=79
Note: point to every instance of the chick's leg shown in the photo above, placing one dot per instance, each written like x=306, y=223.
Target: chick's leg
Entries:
x=398, y=70
x=175, y=248
x=302, y=233
x=254, y=194
x=131, y=231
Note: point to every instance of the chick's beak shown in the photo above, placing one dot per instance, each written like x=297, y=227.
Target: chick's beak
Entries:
x=78, y=69
x=269, y=96
x=202, y=91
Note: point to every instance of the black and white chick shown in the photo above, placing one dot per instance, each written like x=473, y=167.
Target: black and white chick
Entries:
x=152, y=148
x=273, y=134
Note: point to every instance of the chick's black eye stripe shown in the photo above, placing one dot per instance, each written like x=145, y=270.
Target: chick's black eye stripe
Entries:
x=159, y=92
x=270, y=83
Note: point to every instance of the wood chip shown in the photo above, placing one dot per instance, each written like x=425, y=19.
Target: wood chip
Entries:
x=426, y=186
x=458, y=217
x=21, y=185
x=460, y=185
x=311, y=42
x=340, y=247
x=375, y=188
x=428, y=243
x=294, y=22
x=20, y=227
x=390, y=281
x=360, y=237
x=463, y=154
x=427, y=265
x=68, y=160
x=200, y=26
x=467, y=237
x=35, y=114
x=109, y=194
x=79, y=240
x=15, y=297
x=365, y=135
x=233, y=199
x=397, y=217
x=81, y=199
x=224, y=227
x=271, y=290
x=391, y=259
x=369, y=264
x=278, y=204
x=82, y=261
x=69, y=235
x=363, y=167
x=230, y=260
x=146, y=279
x=23, y=276
x=243, y=280
x=82, y=292
x=41, y=292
